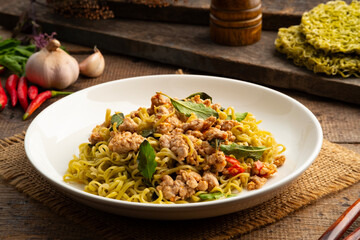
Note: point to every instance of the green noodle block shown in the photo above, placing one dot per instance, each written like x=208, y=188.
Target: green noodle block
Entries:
x=333, y=27
x=292, y=42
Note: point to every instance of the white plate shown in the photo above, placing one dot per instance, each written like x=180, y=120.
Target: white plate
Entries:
x=55, y=134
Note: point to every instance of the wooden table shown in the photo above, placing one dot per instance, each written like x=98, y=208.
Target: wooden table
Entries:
x=24, y=218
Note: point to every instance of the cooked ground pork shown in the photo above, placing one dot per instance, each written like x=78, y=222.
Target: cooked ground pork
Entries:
x=227, y=125
x=170, y=123
x=124, y=142
x=128, y=125
x=96, y=135
x=186, y=184
x=216, y=161
x=199, y=124
x=176, y=143
x=279, y=160
x=213, y=133
x=256, y=182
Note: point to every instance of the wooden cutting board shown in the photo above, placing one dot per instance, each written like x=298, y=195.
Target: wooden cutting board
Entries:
x=276, y=13
x=189, y=46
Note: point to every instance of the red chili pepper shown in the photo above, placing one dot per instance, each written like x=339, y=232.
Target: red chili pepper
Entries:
x=236, y=168
x=22, y=90
x=11, y=85
x=258, y=165
x=2, y=69
x=3, y=97
x=33, y=92
x=40, y=98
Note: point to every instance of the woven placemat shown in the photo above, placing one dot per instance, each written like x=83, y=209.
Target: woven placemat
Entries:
x=335, y=168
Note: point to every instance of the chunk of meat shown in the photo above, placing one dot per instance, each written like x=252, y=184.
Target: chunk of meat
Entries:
x=182, y=187
x=279, y=160
x=204, y=148
x=194, y=133
x=185, y=185
x=227, y=125
x=124, y=142
x=266, y=171
x=98, y=135
x=128, y=125
x=217, y=161
x=158, y=100
x=176, y=143
x=199, y=124
x=213, y=133
x=168, y=124
x=168, y=188
x=256, y=182
x=211, y=180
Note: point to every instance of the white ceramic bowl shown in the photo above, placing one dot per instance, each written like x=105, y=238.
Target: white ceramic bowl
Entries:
x=55, y=134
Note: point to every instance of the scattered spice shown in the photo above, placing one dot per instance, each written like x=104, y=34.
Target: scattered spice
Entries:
x=11, y=86
x=22, y=90
x=40, y=99
x=88, y=9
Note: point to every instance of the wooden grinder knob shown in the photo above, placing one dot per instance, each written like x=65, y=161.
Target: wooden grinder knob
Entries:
x=235, y=22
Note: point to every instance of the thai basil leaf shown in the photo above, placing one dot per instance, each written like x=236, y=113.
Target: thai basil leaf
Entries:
x=117, y=118
x=238, y=116
x=202, y=95
x=240, y=151
x=147, y=132
x=146, y=160
x=187, y=108
x=211, y=196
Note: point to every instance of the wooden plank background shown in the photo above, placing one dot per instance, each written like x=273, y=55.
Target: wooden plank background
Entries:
x=276, y=13
x=189, y=46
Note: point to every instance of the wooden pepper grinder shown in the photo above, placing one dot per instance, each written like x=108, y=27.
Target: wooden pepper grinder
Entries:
x=235, y=22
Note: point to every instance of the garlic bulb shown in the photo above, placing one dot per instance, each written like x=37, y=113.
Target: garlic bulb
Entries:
x=93, y=65
x=52, y=67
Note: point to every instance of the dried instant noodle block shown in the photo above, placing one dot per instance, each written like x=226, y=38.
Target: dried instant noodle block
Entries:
x=333, y=27
x=292, y=42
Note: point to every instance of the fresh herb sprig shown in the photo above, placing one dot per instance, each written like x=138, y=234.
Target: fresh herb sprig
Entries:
x=187, y=108
x=240, y=151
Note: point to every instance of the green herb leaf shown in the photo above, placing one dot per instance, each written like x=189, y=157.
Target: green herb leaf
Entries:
x=147, y=132
x=117, y=118
x=211, y=196
x=146, y=160
x=202, y=95
x=240, y=151
x=238, y=116
x=199, y=109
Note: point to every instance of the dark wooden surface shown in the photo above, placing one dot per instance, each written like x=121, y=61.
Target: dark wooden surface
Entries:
x=189, y=46
x=276, y=13
x=24, y=218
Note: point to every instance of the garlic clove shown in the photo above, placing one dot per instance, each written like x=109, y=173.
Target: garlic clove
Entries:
x=93, y=65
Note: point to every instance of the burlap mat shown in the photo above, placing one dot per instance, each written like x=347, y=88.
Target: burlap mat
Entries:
x=335, y=168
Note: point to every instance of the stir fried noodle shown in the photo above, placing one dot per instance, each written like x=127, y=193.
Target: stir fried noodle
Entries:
x=176, y=151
